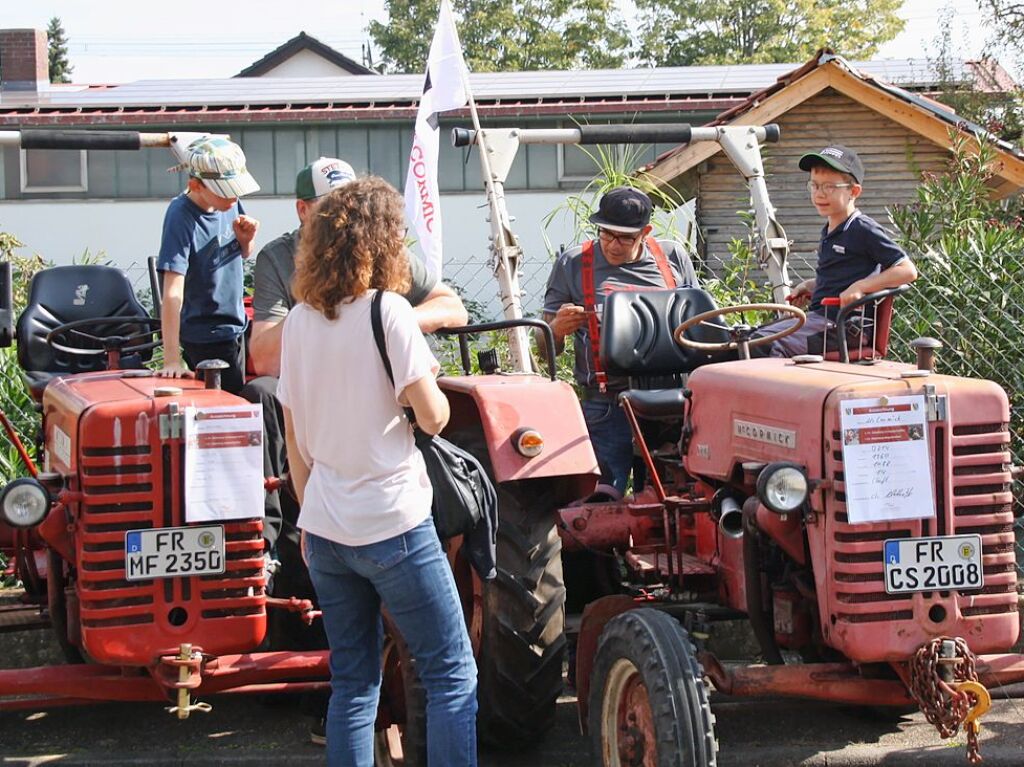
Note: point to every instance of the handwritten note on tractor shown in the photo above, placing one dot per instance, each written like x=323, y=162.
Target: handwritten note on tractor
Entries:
x=223, y=463
x=885, y=459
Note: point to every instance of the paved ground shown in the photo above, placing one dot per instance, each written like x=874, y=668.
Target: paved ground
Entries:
x=243, y=731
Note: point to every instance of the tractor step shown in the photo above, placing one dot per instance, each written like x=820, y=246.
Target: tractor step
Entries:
x=14, y=617
x=657, y=564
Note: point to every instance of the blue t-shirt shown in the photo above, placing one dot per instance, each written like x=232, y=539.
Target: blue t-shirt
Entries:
x=855, y=249
x=203, y=247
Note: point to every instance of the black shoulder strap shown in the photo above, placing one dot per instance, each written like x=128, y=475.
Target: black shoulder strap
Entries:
x=377, y=321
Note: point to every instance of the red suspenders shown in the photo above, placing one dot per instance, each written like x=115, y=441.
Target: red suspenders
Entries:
x=590, y=300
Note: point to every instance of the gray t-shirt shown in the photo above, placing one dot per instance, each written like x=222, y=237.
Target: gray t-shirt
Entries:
x=565, y=286
x=275, y=266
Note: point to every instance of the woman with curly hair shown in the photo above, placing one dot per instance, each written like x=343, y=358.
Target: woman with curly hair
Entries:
x=368, y=535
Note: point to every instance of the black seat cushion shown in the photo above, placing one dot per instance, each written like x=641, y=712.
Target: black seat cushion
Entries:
x=656, y=403
x=65, y=294
x=636, y=332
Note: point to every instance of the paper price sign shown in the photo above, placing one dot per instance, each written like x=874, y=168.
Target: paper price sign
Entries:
x=886, y=463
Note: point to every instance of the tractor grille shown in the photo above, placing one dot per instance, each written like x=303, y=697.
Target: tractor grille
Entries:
x=972, y=495
x=141, y=487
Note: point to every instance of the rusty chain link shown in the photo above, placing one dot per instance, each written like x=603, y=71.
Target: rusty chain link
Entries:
x=943, y=705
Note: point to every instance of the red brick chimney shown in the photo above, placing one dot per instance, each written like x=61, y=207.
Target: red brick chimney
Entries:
x=24, y=60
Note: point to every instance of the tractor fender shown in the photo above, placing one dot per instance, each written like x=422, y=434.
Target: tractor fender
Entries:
x=595, y=617
x=502, y=405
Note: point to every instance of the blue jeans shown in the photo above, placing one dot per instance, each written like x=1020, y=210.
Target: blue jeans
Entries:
x=612, y=439
x=410, y=575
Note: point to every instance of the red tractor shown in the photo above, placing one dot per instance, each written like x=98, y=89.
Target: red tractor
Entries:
x=148, y=605
x=857, y=512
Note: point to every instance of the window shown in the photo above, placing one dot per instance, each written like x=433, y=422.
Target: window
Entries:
x=54, y=170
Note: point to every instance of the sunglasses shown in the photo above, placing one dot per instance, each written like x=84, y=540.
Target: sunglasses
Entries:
x=623, y=238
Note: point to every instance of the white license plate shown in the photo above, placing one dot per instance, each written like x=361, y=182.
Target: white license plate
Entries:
x=948, y=563
x=171, y=552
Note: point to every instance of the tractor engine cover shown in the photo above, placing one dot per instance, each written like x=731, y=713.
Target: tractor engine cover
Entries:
x=766, y=410
x=103, y=435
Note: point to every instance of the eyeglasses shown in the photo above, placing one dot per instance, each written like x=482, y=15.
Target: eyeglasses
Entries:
x=829, y=189
x=621, y=239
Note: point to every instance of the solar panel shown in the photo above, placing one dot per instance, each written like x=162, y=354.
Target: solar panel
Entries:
x=513, y=86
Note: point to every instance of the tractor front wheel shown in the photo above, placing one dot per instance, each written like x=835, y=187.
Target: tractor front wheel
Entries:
x=648, y=699
x=401, y=736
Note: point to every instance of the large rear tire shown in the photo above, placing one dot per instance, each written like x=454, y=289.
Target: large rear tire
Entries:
x=401, y=740
x=648, y=700
x=522, y=641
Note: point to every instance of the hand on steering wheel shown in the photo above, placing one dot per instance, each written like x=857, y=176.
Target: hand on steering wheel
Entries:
x=705, y=317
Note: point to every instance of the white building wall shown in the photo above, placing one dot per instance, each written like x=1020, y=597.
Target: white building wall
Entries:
x=306, y=64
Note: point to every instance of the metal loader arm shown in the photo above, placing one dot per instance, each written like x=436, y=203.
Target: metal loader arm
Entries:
x=498, y=147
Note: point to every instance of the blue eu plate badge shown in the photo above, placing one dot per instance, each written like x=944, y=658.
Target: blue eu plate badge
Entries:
x=133, y=543
x=892, y=552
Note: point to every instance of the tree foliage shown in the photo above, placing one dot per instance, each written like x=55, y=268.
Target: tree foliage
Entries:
x=507, y=35
x=686, y=32
x=60, y=67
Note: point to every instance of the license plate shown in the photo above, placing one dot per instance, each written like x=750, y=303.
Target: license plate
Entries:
x=171, y=552
x=933, y=564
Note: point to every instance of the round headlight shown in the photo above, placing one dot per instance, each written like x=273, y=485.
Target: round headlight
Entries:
x=24, y=503
x=782, y=487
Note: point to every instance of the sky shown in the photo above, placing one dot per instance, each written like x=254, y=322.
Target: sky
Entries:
x=110, y=41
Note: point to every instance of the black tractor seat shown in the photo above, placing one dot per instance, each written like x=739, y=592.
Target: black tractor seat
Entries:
x=637, y=327
x=65, y=294
x=655, y=403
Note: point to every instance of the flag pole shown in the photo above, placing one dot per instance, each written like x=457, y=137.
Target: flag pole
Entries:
x=506, y=252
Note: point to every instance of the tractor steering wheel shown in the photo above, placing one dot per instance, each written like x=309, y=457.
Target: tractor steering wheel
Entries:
x=703, y=318
x=60, y=336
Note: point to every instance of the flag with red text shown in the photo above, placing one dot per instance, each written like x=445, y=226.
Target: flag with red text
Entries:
x=446, y=87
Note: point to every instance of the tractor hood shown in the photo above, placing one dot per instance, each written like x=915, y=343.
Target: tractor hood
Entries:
x=773, y=409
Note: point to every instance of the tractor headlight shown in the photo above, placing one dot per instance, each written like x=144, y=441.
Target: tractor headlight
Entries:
x=782, y=487
x=24, y=503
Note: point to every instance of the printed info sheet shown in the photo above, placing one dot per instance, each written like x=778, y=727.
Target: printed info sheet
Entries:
x=885, y=459
x=223, y=463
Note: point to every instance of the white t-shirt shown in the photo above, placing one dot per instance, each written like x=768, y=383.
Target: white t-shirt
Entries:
x=368, y=482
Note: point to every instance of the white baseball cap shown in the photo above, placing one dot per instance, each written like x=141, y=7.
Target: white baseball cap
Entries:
x=320, y=177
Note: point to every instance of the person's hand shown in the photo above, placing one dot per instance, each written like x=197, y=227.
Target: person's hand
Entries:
x=801, y=295
x=245, y=229
x=175, y=370
x=853, y=293
x=568, y=319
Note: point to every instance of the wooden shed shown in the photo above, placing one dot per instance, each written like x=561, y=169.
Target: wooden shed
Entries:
x=898, y=134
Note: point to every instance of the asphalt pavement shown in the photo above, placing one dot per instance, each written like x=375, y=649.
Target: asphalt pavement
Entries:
x=244, y=730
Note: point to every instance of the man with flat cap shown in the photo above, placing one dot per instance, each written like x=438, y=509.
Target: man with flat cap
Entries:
x=623, y=256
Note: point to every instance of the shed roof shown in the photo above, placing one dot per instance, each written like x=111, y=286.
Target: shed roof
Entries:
x=914, y=111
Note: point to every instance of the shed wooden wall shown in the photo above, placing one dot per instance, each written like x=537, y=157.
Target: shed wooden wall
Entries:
x=893, y=156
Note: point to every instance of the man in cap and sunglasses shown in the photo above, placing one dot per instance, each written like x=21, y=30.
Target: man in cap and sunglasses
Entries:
x=206, y=234
x=623, y=256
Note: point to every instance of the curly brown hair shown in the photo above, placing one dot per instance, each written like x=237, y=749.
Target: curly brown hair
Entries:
x=353, y=241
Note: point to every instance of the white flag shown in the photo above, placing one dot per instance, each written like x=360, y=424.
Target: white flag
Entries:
x=446, y=87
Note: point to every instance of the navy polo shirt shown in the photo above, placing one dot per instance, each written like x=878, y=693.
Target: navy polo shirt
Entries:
x=855, y=249
x=201, y=245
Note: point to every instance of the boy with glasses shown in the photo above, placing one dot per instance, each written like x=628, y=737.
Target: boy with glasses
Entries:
x=623, y=256
x=855, y=257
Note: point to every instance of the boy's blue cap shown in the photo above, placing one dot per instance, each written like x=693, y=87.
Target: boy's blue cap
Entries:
x=837, y=157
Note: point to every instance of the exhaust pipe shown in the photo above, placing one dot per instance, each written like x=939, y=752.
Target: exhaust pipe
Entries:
x=730, y=516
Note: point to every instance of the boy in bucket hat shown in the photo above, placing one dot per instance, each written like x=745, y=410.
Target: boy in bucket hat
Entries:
x=855, y=256
x=623, y=256
x=206, y=234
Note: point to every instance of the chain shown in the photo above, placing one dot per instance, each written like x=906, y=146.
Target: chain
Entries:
x=942, y=704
